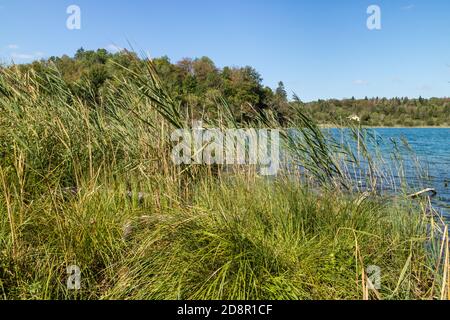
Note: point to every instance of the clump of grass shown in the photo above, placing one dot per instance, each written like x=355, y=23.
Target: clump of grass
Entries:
x=90, y=182
x=274, y=240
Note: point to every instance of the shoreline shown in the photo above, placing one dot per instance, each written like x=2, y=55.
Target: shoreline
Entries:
x=326, y=126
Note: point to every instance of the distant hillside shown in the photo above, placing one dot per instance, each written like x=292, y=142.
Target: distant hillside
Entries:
x=384, y=112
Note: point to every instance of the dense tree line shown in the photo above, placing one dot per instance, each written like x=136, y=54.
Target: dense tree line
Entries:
x=199, y=85
x=384, y=112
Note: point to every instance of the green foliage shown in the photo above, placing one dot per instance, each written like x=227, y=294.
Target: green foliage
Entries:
x=198, y=84
x=86, y=179
x=384, y=112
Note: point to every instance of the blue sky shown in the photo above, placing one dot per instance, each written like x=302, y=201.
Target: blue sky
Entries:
x=319, y=48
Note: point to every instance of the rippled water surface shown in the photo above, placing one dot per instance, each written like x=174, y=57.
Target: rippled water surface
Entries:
x=431, y=146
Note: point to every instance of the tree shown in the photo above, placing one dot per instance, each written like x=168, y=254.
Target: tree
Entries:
x=199, y=84
x=280, y=92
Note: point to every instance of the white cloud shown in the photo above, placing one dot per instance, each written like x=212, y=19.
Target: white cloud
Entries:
x=22, y=56
x=425, y=87
x=408, y=7
x=12, y=46
x=113, y=48
x=397, y=79
x=360, y=82
x=27, y=56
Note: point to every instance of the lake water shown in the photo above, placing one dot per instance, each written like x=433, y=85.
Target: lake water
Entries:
x=432, y=148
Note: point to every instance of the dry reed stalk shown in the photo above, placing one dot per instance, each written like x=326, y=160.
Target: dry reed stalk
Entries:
x=10, y=213
x=446, y=263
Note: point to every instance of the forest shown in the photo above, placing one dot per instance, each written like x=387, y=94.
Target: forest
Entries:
x=199, y=86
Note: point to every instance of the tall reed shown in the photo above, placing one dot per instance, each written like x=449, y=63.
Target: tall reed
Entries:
x=88, y=180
